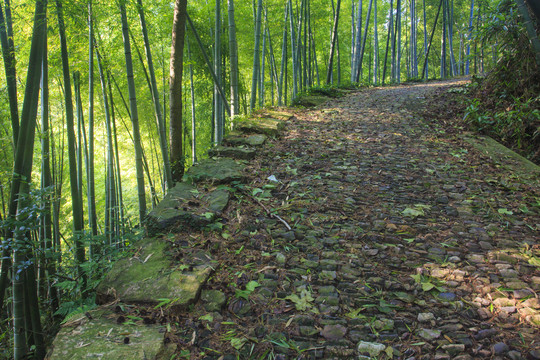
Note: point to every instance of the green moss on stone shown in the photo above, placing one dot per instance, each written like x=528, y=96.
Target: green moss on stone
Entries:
x=99, y=336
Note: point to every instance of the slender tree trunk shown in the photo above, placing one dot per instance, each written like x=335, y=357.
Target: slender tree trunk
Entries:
x=208, y=64
x=353, y=37
x=398, y=25
x=394, y=37
x=92, y=216
x=333, y=44
x=134, y=114
x=155, y=96
x=218, y=104
x=256, y=56
x=375, y=46
x=426, y=74
x=233, y=56
x=118, y=177
x=46, y=180
x=8, y=51
x=388, y=41
x=293, y=54
x=22, y=169
x=76, y=198
x=193, y=122
x=362, y=50
x=262, y=74
x=358, y=44
x=431, y=39
x=81, y=145
x=283, y=58
x=443, y=42
x=176, y=71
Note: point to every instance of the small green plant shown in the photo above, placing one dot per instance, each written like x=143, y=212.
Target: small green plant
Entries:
x=250, y=288
x=166, y=303
x=302, y=302
x=428, y=283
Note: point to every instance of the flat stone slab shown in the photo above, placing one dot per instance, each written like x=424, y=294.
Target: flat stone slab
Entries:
x=151, y=275
x=216, y=171
x=512, y=161
x=239, y=139
x=184, y=205
x=311, y=100
x=97, y=335
x=232, y=152
x=266, y=126
x=280, y=115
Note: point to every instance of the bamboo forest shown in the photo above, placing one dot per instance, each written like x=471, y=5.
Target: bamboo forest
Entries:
x=270, y=179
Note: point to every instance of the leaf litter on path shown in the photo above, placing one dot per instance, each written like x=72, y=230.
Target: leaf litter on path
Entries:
x=391, y=217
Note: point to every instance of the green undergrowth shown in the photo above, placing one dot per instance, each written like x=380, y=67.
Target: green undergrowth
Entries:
x=505, y=104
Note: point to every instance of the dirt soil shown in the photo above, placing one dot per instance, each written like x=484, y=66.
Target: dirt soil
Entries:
x=370, y=229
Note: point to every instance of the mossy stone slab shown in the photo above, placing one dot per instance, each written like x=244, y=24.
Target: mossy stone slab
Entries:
x=239, y=139
x=280, y=115
x=311, y=101
x=216, y=171
x=506, y=158
x=266, y=126
x=185, y=206
x=232, y=152
x=98, y=336
x=151, y=275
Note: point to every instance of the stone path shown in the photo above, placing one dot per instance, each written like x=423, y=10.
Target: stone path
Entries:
x=367, y=232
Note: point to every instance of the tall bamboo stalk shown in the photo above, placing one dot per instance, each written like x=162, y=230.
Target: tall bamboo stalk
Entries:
x=22, y=172
x=362, y=49
x=333, y=43
x=233, y=56
x=193, y=120
x=218, y=103
x=283, y=59
x=256, y=56
x=8, y=51
x=134, y=114
x=91, y=188
x=175, y=86
x=46, y=180
x=375, y=46
x=155, y=97
x=76, y=197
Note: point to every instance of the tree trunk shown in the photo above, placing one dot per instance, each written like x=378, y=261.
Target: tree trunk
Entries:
x=175, y=106
x=76, y=197
x=431, y=39
x=362, y=50
x=218, y=104
x=256, y=57
x=358, y=43
x=233, y=56
x=376, y=46
x=293, y=54
x=22, y=170
x=134, y=114
x=92, y=216
x=193, y=122
x=46, y=180
x=208, y=64
x=155, y=96
x=333, y=44
x=8, y=51
x=426, y=74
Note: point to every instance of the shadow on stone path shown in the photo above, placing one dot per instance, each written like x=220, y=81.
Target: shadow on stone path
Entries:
x=365, y=231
